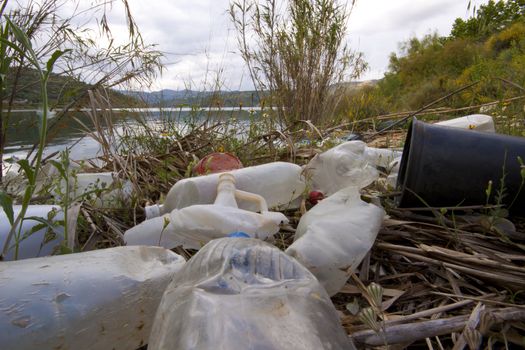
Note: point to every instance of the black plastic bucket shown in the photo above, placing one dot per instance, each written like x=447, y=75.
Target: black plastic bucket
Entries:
x=447, y=167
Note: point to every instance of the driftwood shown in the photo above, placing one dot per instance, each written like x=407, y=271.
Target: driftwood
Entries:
x=411, y=332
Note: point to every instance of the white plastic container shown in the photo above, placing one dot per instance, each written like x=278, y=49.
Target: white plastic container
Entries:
x=115, y=191
x=279, y=183
x=194, y=226
x=241, y=293
x=335, y=236
x=478, y=122
x=32, y=246
x=98, y=300
x=344, y=165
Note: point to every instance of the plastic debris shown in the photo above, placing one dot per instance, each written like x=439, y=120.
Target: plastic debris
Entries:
x=478, y=122
x=278, y=182
x=103, y=299
x=216, y=163
x=335, y=235
x=194, y=226
x=241, y=293
x=447, y=167
x=339, y=167
x=113, y=191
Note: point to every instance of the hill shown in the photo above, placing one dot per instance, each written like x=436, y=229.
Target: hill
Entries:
x=61, y=90
x=486, y=51
x=186, y=97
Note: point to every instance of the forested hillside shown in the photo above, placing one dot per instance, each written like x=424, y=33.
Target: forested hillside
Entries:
x=488, y=50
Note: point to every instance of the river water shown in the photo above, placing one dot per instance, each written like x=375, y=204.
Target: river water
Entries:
x=70, y=131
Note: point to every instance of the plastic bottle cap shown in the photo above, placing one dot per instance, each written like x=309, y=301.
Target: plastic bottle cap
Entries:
x=238, y=234
x=152, y=211
x=216, y=163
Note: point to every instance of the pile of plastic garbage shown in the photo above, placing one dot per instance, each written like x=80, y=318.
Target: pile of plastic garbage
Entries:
x=234, y=292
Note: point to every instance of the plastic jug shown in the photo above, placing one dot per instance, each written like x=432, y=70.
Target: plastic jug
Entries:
x=335, y=236
x=241, y=293
x=103, y=299
x=33, y=245
x=194, y=226
x=344, y=165
x=278, y=182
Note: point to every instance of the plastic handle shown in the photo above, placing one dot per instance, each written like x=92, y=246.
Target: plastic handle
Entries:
x=252, y=197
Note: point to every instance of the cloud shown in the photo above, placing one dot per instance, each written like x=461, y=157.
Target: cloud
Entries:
x=199, y=43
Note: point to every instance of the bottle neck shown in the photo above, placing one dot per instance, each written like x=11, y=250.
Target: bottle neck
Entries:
x=226, y=191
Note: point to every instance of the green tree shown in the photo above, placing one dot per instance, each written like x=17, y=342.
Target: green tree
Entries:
x=489, y=19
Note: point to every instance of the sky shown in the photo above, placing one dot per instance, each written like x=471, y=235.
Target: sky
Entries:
x=200, y=46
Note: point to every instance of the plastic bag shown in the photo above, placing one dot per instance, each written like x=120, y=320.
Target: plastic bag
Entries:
x=342, y=166
x=335, y=235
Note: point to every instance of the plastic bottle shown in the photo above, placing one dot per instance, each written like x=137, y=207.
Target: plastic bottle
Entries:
x=98, y=300
x=194, y=226
x=115, y=192
x=33, y=245
x=279, y=183
x=241, y=293
x=335, y=236
x=478, y=122
x=344, y=165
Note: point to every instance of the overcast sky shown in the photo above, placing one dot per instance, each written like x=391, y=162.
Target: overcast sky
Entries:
x=199, y=42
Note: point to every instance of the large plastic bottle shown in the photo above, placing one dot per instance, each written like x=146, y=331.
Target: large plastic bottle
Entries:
x=241, y=293
x=33, y=244
x=278, y=182
x=98, y=300
x=335, y=236
x=194, y=226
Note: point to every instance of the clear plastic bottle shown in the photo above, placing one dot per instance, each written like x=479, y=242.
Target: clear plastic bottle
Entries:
x=278, y=182
x=241, y=293
x=98, y=300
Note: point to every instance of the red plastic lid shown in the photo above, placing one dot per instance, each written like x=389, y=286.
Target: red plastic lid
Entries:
x=217, y=163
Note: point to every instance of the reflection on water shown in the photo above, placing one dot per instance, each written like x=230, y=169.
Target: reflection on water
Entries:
x=23, y=133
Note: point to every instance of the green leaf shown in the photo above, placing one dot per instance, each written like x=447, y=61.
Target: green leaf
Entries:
x=7, y=204
x=34, y=229
x=28, y=170
x=20, y=35
x=60, y=168
x=23, y=39
x=54, y=57
x=64, y=250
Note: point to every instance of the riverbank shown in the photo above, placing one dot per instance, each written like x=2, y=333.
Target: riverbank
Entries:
x=435, y=271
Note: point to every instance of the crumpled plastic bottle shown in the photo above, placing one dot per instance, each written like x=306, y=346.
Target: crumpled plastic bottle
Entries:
x=241, y=293
x=344, y=165
x=97, y=300
x=335, y=235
